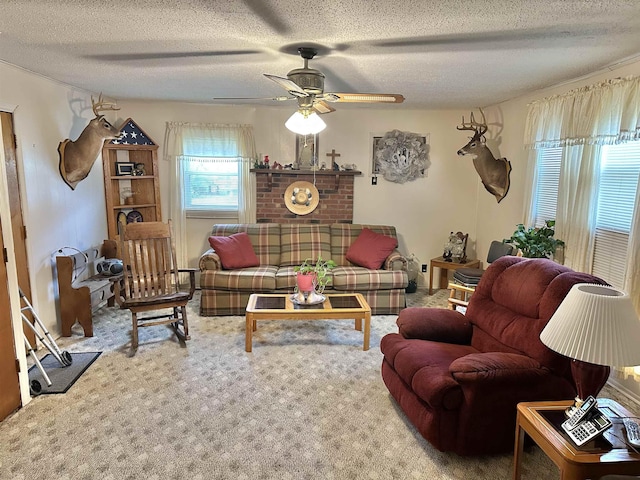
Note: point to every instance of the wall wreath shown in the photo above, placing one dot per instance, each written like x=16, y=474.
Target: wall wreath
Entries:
x=401, y=156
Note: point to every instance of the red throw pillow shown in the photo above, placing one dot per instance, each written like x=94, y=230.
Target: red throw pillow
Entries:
x=371, y=249
x=235, y=251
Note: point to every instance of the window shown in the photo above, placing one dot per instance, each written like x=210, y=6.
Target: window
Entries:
x=211, y=184
x=619, y=172
x=546, y=194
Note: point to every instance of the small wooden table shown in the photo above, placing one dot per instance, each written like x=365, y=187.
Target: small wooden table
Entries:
x=444, y=267
x=541, y=421
x=280, y=307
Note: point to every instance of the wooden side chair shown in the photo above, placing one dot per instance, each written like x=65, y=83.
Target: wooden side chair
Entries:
x=151, y=279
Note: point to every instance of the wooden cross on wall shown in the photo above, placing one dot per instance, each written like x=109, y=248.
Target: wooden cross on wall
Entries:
x=333, y=156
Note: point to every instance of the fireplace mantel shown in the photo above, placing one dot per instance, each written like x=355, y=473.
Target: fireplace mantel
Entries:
x=295, y=173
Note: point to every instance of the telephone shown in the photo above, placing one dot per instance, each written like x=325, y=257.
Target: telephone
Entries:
x=586, y=422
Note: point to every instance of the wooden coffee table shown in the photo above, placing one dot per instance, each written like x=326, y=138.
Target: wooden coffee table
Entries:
x=541, y=421
x=280, y=307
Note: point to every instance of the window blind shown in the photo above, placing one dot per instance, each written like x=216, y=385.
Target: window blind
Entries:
x=547, y=186
x=620, y=169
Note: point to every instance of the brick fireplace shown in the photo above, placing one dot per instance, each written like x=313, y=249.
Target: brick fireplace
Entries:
x=335, y=189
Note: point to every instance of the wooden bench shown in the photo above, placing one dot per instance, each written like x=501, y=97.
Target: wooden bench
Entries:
x=81, y=290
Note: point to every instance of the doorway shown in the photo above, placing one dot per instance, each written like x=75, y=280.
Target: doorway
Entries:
x=10, y=393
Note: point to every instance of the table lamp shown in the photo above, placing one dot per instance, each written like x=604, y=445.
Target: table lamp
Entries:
x=596, y=324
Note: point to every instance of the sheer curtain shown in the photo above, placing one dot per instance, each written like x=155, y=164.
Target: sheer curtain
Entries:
x=577, y=209
x=581, y=121
x=204, y=140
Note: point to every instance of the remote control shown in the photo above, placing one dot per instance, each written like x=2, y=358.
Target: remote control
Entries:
x=633, y=431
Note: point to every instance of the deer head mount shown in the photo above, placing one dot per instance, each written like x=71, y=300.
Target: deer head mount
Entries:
x=494, y=172
x=77, y=157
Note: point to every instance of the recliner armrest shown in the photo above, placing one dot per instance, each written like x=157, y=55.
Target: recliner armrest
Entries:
x=435, y=324
x=496, y=367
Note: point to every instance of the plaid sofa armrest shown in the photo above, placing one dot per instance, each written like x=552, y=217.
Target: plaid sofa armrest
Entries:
x=209, y=260
x=396, y=261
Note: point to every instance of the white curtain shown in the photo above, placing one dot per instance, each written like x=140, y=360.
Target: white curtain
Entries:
x=632, y=274
x=577, y=209
x=632, y=281
x=193, y=140
x=606, y=113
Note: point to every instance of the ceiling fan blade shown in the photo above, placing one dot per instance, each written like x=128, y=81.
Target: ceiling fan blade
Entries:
x=277, y=99
x=363, y=97
x=290, y=86
x=321, y=107
x=124, y=57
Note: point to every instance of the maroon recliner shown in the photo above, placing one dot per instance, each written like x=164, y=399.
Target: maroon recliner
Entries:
x=458, y=378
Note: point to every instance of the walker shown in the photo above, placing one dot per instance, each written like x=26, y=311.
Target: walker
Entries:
x=63, y=357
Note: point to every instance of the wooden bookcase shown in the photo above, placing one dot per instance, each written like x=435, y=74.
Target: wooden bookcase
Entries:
x=118, y=159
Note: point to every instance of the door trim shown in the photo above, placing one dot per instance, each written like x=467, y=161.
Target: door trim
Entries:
x=12, y=280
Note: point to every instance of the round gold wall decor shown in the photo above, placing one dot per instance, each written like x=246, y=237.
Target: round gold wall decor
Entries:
x=301, y=198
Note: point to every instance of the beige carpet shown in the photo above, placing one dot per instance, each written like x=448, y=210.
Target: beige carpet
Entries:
x=308, y=403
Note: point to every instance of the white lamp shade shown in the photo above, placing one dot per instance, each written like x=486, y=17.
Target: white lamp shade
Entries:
x=595, y=324
x=305, y=125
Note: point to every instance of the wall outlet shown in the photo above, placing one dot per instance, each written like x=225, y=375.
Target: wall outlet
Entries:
x=424, y=267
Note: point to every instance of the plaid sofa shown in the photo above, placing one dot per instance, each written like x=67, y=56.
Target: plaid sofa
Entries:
x=280, y=247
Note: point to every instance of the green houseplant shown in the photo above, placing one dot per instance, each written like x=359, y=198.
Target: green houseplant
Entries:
x=535, y=242
x=317, y=271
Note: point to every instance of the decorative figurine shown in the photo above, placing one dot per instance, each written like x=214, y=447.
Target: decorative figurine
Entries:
x=139, y=169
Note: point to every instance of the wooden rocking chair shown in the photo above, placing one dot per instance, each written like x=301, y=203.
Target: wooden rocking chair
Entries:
x=151, y=279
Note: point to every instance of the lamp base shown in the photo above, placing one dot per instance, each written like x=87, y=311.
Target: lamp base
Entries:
x=589, y=378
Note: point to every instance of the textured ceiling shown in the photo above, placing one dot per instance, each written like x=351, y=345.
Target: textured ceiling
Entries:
x=438, y=54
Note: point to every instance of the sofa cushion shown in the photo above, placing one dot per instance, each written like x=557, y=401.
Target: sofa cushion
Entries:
x=343, y=235
x=424, y=366
x=370, y=249
x=301, y=241
x=253, y=279
x=265, y=238
x=360, y=279
x=235, y=251
x=285, y=278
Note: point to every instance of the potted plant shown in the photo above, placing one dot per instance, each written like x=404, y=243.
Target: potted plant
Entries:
x=313, y=275
x=535, y=242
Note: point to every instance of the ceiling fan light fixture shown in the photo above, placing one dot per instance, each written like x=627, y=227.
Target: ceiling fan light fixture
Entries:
x=309, y=124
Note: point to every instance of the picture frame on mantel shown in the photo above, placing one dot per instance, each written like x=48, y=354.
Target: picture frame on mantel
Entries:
x=306, y=152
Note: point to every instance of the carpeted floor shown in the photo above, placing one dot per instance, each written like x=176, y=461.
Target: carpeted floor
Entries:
x=307, y=403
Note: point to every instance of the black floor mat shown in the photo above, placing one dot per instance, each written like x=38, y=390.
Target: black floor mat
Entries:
x=62, y=378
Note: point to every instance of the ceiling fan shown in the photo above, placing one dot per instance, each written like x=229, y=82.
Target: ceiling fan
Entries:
x=306, y=85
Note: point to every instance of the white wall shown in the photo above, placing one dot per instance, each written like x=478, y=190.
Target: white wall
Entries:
x=54, y=215
x=424, y=211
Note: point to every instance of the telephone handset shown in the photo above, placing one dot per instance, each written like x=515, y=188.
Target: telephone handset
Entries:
x=586, y=422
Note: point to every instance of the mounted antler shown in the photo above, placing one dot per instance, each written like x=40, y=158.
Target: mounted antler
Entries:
x=77, y=157
x=102, y=105
x=494, y=172
x=479, y=128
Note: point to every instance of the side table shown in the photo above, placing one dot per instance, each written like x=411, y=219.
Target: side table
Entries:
x=541, y=421
x=444, y=267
